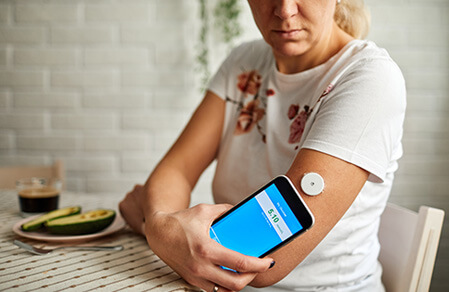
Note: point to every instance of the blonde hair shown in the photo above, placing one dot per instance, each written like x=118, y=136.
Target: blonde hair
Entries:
x=353, y=17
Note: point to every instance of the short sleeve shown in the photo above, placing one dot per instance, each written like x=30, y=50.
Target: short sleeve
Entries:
x=361, y=120
x=220, y=81
x=217, y=84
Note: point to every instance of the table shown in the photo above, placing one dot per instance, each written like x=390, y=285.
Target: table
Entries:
x=136, y=268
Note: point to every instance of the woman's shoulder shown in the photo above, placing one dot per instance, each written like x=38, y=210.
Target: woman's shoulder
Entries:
x=366, y=58
x=366, y=69
x=363, y=50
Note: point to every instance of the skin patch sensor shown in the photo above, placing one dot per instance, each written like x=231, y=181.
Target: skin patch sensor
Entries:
x=312, y=184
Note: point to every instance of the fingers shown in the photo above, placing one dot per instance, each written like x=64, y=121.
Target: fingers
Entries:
x=224, y=280
x=236, y=261
x=209, y=286
x=219, y=209
x=208, y=213
x=215, y=211
x=137, y=188
x=130, y=210
x=133, y=219
x=218, y=288
x=227, y=280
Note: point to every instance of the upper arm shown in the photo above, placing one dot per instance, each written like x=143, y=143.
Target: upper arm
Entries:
x=360, y=121
x=343, y=182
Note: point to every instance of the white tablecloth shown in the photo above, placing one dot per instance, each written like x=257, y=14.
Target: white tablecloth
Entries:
x=136, y=268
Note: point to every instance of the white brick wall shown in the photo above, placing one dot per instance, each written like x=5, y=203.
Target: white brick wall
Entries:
x=120, y=12
x=20, y=121
x=19, y=78
x=116, y=100
x=106, y=86
x=36, y=57
x=22, y=35
x=85, y=79
x=51, y=100
x=46, y=144
x=94, y=34
x=41, y=13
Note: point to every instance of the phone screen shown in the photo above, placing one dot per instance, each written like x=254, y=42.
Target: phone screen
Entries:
x=258, y=225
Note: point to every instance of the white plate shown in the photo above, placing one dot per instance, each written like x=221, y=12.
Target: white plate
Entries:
x=116, y=225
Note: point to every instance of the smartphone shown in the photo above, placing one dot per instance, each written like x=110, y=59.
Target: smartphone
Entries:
x=263, y=222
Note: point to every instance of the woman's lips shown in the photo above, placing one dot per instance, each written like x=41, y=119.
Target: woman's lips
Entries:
x=287, y=34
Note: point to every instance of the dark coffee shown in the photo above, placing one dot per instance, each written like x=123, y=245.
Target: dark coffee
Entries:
x=38, y=200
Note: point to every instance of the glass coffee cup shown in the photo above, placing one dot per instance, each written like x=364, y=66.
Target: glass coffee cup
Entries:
x=38, y=195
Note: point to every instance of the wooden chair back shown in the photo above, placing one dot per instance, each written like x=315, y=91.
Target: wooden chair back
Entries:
x=409, y=243
x=10, y=174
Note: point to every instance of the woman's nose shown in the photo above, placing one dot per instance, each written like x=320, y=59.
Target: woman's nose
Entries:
x=285, y=9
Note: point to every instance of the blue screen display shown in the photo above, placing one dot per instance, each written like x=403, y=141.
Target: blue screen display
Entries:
x=257, y=226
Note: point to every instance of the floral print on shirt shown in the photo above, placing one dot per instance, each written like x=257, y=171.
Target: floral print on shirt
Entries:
x=252, y=111
x=299, y=122
x=249, y=82
x=300, y=119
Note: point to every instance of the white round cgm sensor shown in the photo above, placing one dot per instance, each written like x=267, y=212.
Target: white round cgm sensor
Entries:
x=312, y=184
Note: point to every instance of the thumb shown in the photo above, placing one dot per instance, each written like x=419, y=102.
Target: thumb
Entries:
x=219, y=209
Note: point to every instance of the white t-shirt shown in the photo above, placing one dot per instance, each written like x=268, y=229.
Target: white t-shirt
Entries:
x=351, y=107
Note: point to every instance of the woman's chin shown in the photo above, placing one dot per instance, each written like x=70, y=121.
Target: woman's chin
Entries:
x=289, y=49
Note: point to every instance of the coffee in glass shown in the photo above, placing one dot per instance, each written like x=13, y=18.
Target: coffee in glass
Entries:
x=38, y=195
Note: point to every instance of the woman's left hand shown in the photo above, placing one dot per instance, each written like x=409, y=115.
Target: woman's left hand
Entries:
x=181, y=239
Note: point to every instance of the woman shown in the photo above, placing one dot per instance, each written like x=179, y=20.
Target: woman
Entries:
x=310, y=97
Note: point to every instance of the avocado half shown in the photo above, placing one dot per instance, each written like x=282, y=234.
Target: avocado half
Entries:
x=39, y=222
x=85, y=223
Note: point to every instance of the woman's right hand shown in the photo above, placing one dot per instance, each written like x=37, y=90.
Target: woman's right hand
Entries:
x=181, y=239
x=131, y=209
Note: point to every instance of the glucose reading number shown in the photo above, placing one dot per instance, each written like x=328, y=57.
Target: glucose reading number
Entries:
x=276, y=221
x=273, y=216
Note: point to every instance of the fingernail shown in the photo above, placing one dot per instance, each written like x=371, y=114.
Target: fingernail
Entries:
x=272, y=264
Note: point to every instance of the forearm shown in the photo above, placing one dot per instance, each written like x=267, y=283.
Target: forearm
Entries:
x=167, y=190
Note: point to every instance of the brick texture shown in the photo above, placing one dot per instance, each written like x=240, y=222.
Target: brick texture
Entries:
x=43, y=13
x=45, y=57
x=22, y=35
x=86, y=35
